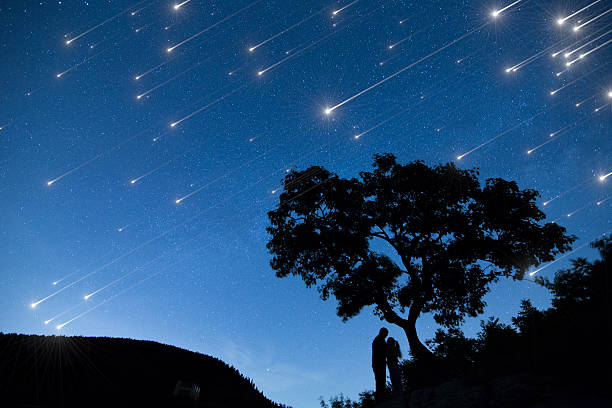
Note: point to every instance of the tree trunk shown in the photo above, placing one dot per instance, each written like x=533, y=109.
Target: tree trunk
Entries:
x=417, y=349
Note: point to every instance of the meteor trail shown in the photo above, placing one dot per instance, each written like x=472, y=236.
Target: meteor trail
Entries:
x=461, y=156
x=601, y=107
x=54, y=283
x=80, y=63
x=600, y=202
x=299, y=52
x=333, y=108
x=580, y=40
x=577, y=79
x=584, y=100
x=532, y=58
x=577, y=186
x=167, y=81
x=121, y=229
x=589, y=52
x=57, y=316
x=253, y=48
x=75, y=168
x=179, y=5
x=553, y=134
x=213, y=26
x=568, y=54
x=570, y=214
x=562, y=257
x=564, y=19
x=133, y=13
x=576, y=28
x=605, y=176
x=342, y=8
x=219, y=99
x=164, y=164
x=408, y=38
x=496, y=13
x=68, y=42
x=197, y=190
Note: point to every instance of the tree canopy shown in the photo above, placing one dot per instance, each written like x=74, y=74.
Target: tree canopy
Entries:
x=444, y=238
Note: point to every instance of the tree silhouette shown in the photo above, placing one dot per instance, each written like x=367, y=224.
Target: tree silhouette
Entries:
x=449, y=237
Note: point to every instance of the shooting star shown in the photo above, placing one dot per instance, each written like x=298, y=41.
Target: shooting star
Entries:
x=170, y=49
x=335, y=12
x=253, y=48
x=563, y=256
x=168, y=81
x=219, y=99
x=577, y=79
x=61, y=74
x=602, y=178
x=494, y=138
x=552, y=135
x=588, y=52
x=569, y=54
x=179, y=5
x=329, y=110
x=585, y=100
x=496, y=13
x=578, y=27
x=600, y=202
x=71, y=40
x=561, y=21
x=601, y=107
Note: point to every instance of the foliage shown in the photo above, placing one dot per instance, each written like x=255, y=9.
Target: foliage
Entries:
x=451, y=235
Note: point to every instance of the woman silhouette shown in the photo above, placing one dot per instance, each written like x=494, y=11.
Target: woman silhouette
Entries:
x=393, y=355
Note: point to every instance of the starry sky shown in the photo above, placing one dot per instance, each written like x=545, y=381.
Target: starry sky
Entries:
x=142, y=144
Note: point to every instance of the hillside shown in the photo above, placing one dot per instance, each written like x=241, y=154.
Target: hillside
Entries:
x=59, y=371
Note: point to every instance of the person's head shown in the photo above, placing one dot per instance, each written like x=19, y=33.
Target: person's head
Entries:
x=383, y=332
x=391, y=340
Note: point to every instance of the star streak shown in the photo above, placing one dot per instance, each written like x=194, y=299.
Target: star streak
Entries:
x=333, y=108
x=170, y=49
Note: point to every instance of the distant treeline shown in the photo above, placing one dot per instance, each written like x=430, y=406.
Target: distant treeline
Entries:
x=58, y=371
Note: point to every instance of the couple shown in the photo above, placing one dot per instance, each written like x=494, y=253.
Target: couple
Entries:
x=386, y=353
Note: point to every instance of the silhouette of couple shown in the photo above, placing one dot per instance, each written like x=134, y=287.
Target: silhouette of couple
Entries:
x=386, y=353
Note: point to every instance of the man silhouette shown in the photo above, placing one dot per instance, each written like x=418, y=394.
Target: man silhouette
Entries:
x=379, y=362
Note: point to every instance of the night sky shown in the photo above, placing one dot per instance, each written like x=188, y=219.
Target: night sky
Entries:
x=164, y=226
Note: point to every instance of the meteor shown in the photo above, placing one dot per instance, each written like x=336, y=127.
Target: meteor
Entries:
x=604, y=200
x=333, y=108
x=137, y=77
x=213, y=26
x=576, y=28
x=219, y=99
x=61, y=74
x=68, y=42
x=580, y=40
x=164, y=164
x=179, y=5
x=570, y=214
x=121, y=229
x=299, y=52
x=54, y=283
x=168, y=81
x=532, y=58
x=496, y=13
x=494, y=138
x=568, y=54
x=335, y=12
x=555, y=133
x=605, y=176
x=57, y=316
x=601, y=107
x=50, y=182
x=584, y=100
x=94, y=158
x=563, y=256
x=133, y=13
x=253, y=48
x=577, y=186
x=562, y=20
x=409, y=37
x=577, y=79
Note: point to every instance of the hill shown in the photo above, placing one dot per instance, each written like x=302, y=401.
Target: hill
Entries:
x=59, y=371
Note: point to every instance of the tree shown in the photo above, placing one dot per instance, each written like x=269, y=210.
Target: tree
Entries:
x=449, y=237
